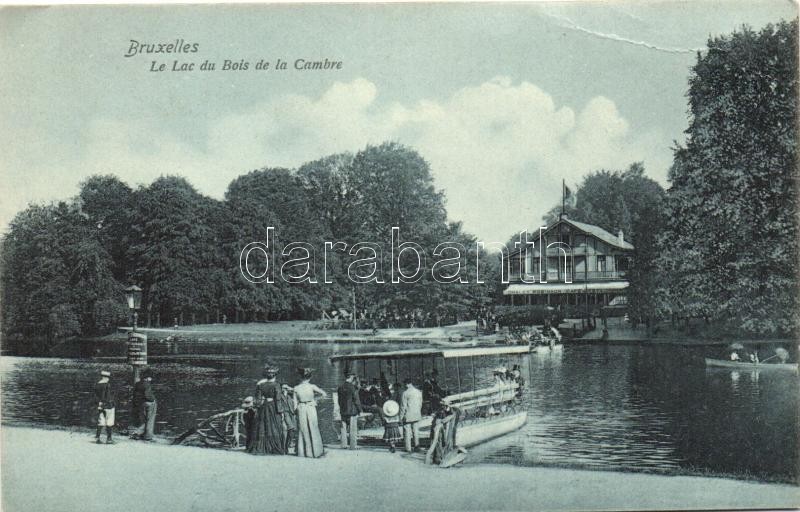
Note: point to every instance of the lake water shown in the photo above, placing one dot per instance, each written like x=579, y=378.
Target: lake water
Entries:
x=630, y=408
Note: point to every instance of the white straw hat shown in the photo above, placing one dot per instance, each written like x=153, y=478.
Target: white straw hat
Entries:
x=390, y=408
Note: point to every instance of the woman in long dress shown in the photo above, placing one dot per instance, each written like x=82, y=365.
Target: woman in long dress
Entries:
x=268, y=437
x=309, y=440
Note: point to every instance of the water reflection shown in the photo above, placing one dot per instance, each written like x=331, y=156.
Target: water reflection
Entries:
x=607, y=407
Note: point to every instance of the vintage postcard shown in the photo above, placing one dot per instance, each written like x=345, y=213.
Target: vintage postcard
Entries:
x=400, y=256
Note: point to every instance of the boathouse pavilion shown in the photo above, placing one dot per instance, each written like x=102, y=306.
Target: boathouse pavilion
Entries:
x=594, y=275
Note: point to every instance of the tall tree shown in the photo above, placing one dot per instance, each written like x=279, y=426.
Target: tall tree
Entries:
x=733, y=231
x=169, y=252
x=56, y=276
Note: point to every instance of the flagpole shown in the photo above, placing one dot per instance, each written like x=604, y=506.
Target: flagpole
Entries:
x=563, y=195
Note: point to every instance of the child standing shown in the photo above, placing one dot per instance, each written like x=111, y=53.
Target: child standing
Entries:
x=249, y=418
x=391, y=424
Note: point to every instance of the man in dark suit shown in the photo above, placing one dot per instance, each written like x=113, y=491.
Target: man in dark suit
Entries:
x=432, y=393
x=349, y=409
x=144, y=405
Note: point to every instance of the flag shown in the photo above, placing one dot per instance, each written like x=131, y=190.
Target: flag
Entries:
x=567, y=192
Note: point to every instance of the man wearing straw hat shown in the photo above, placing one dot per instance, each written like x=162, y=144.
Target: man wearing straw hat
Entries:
x=105, y=407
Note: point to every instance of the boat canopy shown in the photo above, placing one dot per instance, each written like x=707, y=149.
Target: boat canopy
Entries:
x=434, y=352
x=544, y=288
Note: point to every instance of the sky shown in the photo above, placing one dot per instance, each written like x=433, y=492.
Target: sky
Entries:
x=503, y=100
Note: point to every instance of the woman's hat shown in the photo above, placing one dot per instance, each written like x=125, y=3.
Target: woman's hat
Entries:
x=248, y=402
x=390, y=408
x=305, y=372
x=105, y=373
x=500, y=369
x=270, y=368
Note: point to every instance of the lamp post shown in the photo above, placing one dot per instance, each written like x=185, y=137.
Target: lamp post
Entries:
x=137, y=342
x=133, y=295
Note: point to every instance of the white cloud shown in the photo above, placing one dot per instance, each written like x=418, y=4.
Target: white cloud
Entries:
x=499, y=149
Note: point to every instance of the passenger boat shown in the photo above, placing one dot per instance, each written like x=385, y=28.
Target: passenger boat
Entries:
x=742, y=365
x=486, y=409
x=547, y=349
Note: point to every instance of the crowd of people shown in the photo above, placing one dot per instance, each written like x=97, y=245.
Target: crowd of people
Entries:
x=280, y=419
x=385, y=319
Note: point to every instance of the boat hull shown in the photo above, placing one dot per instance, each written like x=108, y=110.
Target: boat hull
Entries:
x=546, y=349
x=470, y=434
x=721, y=363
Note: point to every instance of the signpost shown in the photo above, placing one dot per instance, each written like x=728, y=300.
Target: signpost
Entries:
x=137, y=349
x=137, y=342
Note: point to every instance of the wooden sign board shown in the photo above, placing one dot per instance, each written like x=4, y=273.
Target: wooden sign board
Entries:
x=137, y=349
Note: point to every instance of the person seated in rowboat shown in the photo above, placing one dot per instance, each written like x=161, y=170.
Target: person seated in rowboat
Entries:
x=364, y=395
x=516, y=377
x=501, y=385
x=735, y=356
x=432, y=393
x=376, y=393
x=370, y=398
x=753, y=358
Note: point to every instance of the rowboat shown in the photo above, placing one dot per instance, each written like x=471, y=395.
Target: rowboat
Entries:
x=486, y=409
x=742, y=365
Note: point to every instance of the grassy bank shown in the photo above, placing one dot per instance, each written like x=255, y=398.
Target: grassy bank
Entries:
x=288, y=332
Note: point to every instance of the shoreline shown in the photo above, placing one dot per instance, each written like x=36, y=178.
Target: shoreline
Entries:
x=672, y=472
x=62, y=470
x=462, y=334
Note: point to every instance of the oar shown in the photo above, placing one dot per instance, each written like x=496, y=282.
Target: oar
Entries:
x=767, y=359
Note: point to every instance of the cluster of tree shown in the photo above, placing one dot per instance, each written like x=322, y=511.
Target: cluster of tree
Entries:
x=730, y=247
x=65, y=266
x=722, y=243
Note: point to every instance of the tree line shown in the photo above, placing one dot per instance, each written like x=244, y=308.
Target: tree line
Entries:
x=65, y=265
x=720, y=244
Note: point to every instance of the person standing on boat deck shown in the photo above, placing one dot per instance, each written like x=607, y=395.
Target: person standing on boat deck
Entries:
x=289, y=421
x=309, y=440
x=268, y=431
x=349, y=409
x=144, y=402
x=105, y=407
x=411, y=414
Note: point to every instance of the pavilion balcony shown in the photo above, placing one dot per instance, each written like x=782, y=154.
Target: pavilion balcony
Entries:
x=578, y=277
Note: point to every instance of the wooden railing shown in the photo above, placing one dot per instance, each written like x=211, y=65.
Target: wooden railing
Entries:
x=576, y=277
x=483, y=397
x=223, y=430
